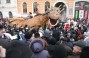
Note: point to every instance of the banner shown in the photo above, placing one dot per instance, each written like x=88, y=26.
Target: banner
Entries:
x=81, y=5
x=71, y=11
x=81, y=14
x=76, y=14
x=86, y=15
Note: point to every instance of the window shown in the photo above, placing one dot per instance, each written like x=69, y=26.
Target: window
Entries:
x=35, y=7
x=47, y=5
x=1, y=15
x=24, y=7
x=0, y=1
x=8, y=1
x=10, y=15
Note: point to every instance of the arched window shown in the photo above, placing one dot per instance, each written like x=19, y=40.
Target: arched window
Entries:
x=35, y=7
x=47, y=5
x=1, y=15
x=8, y=1
x=10, y=15
x=63, y=13
x=24, y=7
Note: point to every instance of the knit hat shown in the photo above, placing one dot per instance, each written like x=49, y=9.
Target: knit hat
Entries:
x=80, y=43
x=37, y=46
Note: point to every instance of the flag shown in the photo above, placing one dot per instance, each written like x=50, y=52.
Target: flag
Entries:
x=86, y=15
x=76, y=14
x=81, y=14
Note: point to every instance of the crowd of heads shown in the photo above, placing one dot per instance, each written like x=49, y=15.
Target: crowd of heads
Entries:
x=61, y=41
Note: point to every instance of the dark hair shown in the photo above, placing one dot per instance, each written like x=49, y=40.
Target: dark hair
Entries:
x=28, y=35
x=1, y=26
x=36, y=35
x=33, y=31
x=18, y=49
x=52, y=40
x=57, y=51
x=85, y=52
x=4, y=42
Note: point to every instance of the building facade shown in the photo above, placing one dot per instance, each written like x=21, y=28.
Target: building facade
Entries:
x=8, y=8
x=73, y=8
x=42, y=5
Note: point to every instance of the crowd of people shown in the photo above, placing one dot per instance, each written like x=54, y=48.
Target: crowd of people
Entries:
x=68, y=39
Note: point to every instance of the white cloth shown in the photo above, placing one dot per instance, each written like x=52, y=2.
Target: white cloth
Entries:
x=9, y=36
x=75, y=23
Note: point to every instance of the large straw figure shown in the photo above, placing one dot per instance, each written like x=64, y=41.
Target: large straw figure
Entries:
x=51, y=17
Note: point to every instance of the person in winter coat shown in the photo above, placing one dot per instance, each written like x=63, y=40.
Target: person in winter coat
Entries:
x=38, y=49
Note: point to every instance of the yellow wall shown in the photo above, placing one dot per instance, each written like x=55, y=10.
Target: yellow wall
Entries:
x=70, y=5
